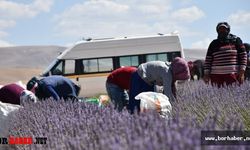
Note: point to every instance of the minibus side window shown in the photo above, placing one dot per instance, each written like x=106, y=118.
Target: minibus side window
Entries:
x=69, y=66
x=176, y=54
x=163, y=57
x=134, y=61
x=105, y=64
x=129, y=61
x=90, y=65
x=172, y=55
x=153, y=57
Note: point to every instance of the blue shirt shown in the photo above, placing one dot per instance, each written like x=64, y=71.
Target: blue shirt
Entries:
x=57, y=87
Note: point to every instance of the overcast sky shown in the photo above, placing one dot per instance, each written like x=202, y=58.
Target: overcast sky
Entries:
x=64, y=22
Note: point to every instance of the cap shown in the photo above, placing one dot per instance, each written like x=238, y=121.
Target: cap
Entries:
x=31, y=83
x=223, y=24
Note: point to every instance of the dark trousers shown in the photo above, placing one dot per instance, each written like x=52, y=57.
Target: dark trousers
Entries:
x=137, y=85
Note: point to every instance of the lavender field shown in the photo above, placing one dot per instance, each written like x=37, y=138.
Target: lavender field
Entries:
x=83, y=126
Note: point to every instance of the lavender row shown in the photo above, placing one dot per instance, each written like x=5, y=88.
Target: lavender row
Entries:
x=82, y=125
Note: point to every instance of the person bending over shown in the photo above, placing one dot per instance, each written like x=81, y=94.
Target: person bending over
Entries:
x=159, y=73
x=117, y=86
x=57, y=87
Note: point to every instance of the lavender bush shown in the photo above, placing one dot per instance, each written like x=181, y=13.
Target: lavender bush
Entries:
x=83, y=125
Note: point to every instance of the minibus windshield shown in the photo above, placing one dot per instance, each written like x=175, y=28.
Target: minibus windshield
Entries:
x=50, y=67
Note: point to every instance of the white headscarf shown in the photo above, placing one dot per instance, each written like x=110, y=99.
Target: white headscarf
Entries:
x=26, y=96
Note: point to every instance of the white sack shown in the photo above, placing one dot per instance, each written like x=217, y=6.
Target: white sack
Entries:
x=155, y=101
x=6, y=114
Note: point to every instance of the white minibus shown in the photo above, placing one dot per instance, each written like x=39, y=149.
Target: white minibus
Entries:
x=90, y=62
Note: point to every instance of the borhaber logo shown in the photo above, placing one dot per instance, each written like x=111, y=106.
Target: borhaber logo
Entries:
x=23, y=140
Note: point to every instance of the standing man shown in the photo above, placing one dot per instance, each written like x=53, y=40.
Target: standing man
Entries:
x=117, y=85
x=226, y=58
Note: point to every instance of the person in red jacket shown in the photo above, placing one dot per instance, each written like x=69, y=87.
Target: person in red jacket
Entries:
x=117, y=84
x=10, y=93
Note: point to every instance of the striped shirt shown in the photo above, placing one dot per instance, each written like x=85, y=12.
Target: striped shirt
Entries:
x=225, y=57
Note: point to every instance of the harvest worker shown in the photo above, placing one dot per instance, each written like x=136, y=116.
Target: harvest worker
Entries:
x=117, y=84
x=226, y=58
x=247, y=72
x=10, y=93
x=57, y=87
x=196, y=68
x=157, y=73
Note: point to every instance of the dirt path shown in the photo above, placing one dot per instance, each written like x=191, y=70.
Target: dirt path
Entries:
x=10, y=75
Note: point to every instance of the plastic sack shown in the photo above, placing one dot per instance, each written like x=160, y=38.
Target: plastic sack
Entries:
x=155, y=101
x=92, y=100
x=6, y=113
x=104, y=100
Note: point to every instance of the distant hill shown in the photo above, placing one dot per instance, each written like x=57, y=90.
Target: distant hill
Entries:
x=28, y=56
x=42, y=56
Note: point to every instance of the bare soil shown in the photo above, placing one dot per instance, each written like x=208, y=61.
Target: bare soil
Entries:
x=11, y=75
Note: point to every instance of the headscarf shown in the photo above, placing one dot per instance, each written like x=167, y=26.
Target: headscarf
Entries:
x=180, y=69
